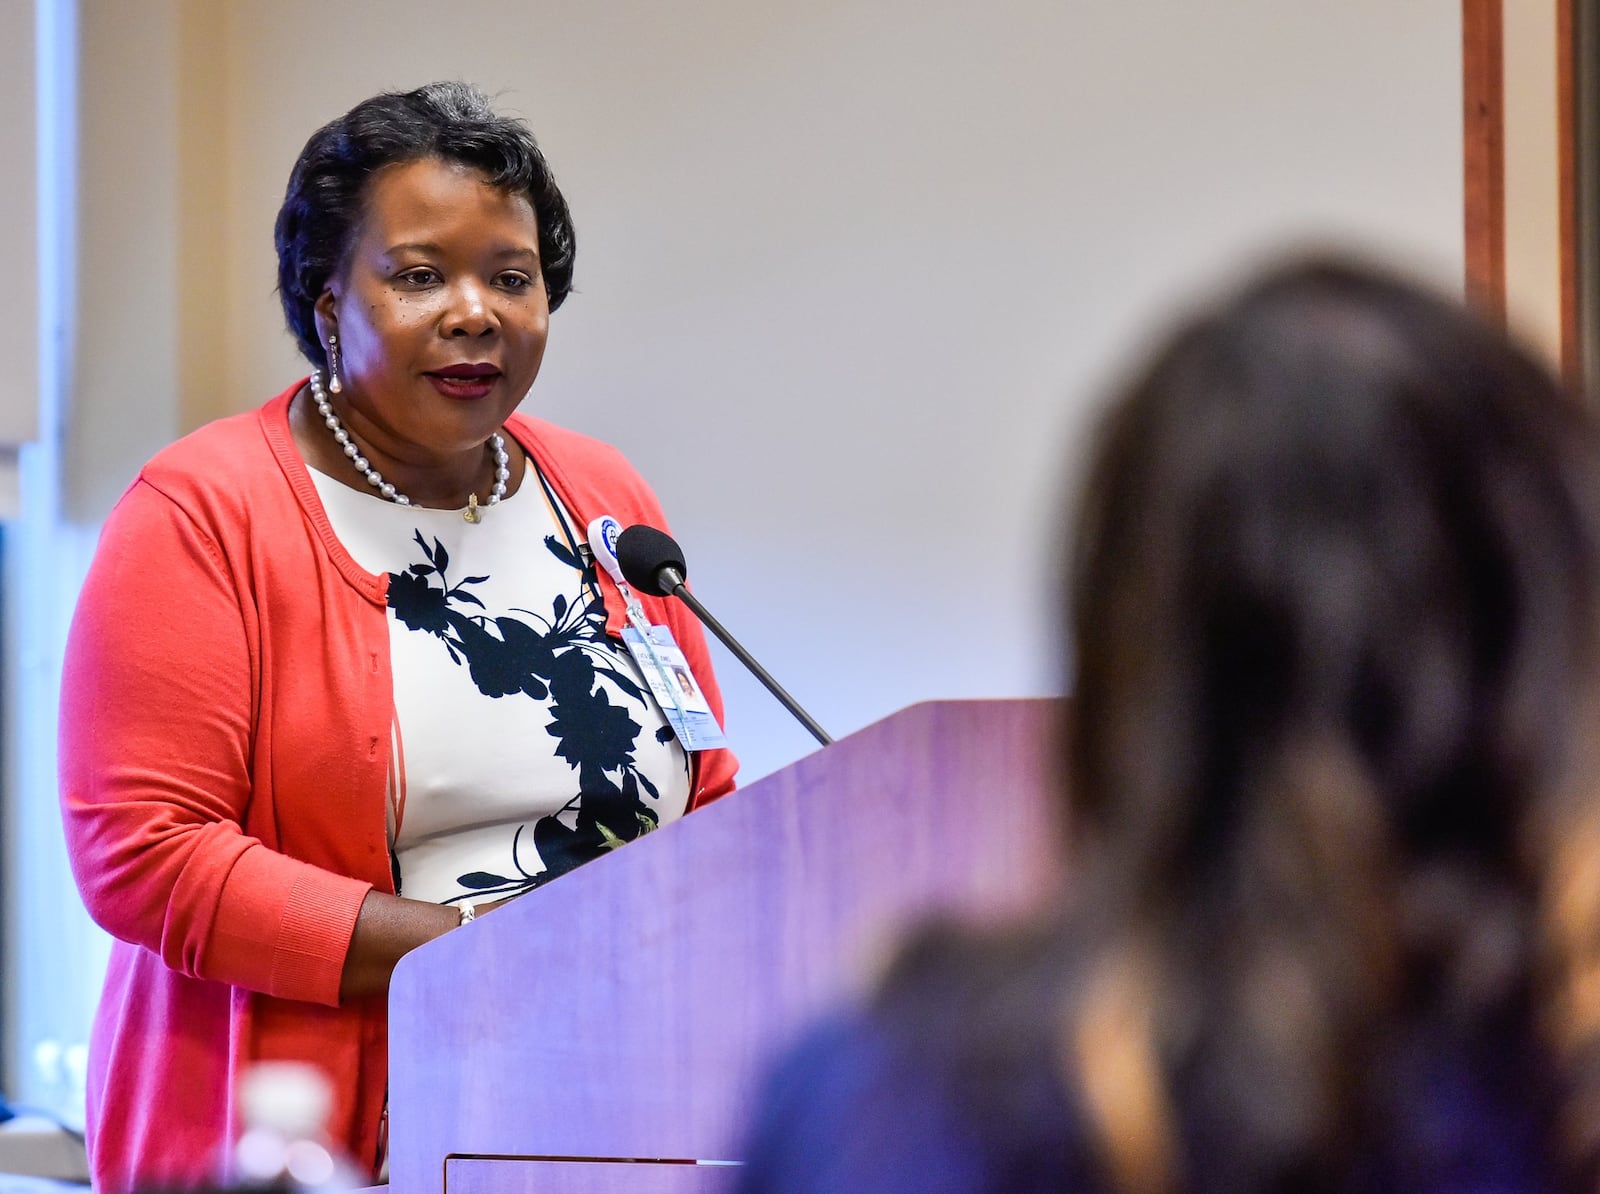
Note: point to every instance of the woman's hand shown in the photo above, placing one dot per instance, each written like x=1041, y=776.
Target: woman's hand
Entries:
x=389, y=927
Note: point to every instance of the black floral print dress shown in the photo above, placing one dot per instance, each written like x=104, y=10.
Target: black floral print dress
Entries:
x=525, y=741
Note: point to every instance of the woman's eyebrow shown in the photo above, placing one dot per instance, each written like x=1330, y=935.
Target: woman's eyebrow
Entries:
x=429, y=249
x=425, y=248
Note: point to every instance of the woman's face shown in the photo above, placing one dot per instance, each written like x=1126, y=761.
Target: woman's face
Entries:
x=440, y=311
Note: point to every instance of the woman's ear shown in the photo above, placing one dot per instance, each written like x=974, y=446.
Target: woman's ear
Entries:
x=326, y=317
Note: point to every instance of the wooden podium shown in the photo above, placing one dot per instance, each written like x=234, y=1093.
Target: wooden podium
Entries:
x=606, y=1033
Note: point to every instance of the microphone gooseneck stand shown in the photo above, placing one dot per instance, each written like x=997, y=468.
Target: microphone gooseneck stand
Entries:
x=652, y=562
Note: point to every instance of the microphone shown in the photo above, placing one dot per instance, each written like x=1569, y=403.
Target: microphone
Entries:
x=652, y=562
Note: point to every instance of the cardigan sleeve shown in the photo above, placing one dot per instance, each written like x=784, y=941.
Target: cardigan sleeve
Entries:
x=158, y=711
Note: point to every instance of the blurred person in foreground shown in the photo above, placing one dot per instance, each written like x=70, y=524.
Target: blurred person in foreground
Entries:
x=1334, y=922
x=342, y=674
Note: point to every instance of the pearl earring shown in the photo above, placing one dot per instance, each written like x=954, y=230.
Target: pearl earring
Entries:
x=333, y=365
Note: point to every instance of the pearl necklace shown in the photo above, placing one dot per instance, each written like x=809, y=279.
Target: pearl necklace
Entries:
x=502, y=471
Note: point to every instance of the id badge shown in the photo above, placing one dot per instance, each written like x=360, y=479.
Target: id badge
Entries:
x=674, y=687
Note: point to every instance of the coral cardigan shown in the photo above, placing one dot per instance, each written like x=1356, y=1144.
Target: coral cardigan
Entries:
x=226, y=710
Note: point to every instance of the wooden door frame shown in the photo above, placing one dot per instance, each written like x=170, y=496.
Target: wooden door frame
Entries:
x=1484, y=153
x=1483, y=161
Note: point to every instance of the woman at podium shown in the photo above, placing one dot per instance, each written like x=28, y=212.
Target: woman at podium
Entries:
x=344, y=672
x=1335, y=866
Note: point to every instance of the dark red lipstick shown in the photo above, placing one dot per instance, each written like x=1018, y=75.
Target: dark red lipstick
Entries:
x=466, y=381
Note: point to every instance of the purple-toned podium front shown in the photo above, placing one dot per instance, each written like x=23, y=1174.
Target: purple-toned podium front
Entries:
x=599, y=1033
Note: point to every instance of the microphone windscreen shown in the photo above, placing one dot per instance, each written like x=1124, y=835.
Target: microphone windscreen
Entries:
x=642, y=552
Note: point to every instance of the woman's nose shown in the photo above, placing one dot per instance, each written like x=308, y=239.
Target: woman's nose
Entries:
x=471, y=313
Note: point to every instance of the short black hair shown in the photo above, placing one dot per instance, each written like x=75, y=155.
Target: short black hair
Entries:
x=454, y=122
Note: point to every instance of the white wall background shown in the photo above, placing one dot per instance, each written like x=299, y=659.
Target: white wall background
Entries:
x=851, y=276
x=19, y=242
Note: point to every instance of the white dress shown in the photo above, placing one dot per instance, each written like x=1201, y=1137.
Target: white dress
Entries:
x=524, y=742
